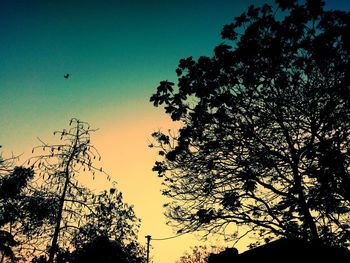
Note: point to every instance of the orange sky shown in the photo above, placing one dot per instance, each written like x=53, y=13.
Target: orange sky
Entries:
x=126, y=157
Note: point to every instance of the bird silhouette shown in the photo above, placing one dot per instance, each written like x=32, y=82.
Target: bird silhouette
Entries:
x=66, y=76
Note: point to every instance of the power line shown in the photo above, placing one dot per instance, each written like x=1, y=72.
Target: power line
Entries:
x=166, y=238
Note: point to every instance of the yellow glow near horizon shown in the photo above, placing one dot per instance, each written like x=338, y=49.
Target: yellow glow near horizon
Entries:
x=123, y=142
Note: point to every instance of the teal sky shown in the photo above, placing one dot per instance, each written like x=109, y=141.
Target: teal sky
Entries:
x=116, y=53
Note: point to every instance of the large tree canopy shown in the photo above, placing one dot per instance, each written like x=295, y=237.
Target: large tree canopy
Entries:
x=264, y=141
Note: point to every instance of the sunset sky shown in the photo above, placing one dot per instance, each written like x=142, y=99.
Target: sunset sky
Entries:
x=116, y=52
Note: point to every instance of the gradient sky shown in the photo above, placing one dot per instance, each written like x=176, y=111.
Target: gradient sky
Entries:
x=116, y=53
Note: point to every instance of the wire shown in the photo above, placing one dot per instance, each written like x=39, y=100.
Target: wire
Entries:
x=166, y=238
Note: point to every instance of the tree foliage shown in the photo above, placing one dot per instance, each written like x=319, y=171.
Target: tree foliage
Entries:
x=110, y=217
x=264, y=142
x=102, y=249
x=199, y=254
x=7, y=241
x=22, y=209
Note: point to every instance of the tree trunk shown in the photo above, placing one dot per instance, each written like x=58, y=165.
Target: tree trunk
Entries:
x=307, y=217
x=304, y=209
x=53, y=248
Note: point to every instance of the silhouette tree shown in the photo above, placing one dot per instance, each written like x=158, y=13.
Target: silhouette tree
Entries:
x=6, y=243
x=264, y=141
x=101, y=249
x=112, y=219
x=11, y=202
x=199, y=254
x=6, y=238
x=59, y=165
x=22, y=210
x=80, y=215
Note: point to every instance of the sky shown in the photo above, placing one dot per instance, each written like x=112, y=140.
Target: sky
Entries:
x=116, y=53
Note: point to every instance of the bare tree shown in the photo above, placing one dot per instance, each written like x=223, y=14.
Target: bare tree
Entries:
x=59, y=166
x=81, y=216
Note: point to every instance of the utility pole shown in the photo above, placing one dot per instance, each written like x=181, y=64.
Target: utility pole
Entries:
x=148, y=237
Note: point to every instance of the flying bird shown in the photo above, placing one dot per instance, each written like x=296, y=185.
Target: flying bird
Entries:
x=66, y=76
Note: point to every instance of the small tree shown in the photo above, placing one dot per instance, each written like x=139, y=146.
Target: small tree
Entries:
x=199, y=254
x=264, y=142
x=112, y=219
x=102, y=249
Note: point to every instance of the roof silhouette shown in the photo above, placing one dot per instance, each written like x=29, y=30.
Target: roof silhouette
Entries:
x=282, y=249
